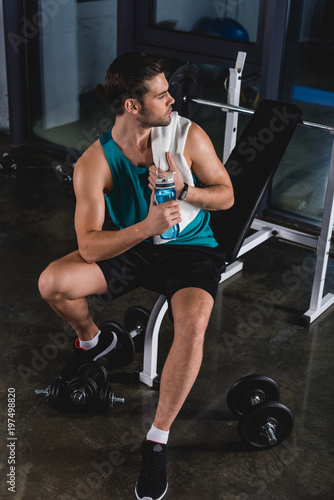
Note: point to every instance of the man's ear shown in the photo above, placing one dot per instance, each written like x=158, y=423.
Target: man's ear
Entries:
x=131, y=106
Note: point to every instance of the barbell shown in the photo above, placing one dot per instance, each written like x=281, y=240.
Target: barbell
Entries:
x=186, y=87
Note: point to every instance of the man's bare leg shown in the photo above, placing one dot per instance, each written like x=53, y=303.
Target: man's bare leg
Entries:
x=191, y=312
x=65, y=284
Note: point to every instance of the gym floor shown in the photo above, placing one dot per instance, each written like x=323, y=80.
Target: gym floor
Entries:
x=254, y=328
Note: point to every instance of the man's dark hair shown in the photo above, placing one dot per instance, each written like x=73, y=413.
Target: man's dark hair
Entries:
x=127, y=75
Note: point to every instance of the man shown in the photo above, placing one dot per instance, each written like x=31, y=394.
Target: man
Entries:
x=119, y=169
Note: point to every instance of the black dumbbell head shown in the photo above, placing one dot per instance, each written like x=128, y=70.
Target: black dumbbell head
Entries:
x=135, y=320
x=103, y=401
x=56, y=396
x=251, y=425
x=243, y=392
x=81, y=386
x=94, y=371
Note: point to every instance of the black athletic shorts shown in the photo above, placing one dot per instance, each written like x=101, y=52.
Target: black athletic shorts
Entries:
x=164, y=269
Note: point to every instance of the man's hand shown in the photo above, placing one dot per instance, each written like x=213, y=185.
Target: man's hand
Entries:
x=161, y=217
x=153, y=175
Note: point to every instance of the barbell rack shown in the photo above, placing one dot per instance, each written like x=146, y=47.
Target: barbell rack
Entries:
x=265, y=230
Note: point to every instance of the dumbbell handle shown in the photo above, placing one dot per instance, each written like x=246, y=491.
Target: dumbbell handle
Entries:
x=268, y=430
x=43, y=392
x=113, y=399
x=255, y=400
x=136, y=331
x=79, y=396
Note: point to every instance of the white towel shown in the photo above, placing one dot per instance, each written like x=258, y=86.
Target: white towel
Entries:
x=173, y=138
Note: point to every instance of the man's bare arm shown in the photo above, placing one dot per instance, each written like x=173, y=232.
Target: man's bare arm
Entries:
x=208, y=169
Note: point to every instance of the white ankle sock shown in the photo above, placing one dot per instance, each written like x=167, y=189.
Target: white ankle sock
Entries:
x=157, y=435
x=89, y=344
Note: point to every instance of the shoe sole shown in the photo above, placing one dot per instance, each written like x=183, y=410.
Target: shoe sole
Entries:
x=150, y=498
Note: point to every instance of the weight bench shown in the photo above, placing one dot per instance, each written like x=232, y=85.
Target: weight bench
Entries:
x=251, y=166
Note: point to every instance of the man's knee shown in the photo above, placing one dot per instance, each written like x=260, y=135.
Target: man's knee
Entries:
x=48, y=283
x=191, y=327
x=191, y=313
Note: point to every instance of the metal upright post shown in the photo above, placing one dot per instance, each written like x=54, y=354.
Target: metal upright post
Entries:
x=150, y=357
x=233, y=98
x=318, y=303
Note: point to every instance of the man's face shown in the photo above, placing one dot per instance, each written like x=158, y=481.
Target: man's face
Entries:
x=157, y=105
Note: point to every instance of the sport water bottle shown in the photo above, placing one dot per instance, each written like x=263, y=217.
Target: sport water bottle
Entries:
x=165, y=191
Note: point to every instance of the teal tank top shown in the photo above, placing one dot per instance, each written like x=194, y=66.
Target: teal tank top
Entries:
x=129, y=200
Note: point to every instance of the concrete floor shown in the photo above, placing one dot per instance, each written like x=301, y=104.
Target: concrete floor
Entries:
x=254, y=329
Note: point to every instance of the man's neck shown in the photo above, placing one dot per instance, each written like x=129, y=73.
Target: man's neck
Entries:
x=134, y=141
x=130, y=135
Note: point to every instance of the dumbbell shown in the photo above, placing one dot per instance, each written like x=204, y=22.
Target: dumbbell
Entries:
x=81, y=392
x=264, y=422
x=8, y=165
x=64, y=174
x=130, y=337
x=88, y=391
